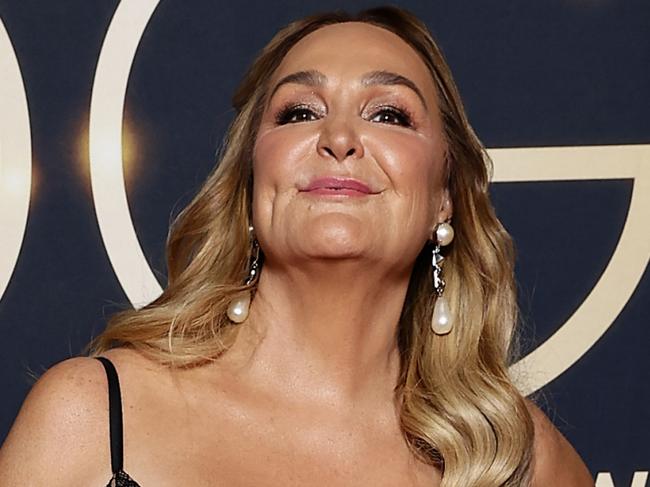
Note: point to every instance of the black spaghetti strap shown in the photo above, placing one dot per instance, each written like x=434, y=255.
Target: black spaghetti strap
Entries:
x=115, y=415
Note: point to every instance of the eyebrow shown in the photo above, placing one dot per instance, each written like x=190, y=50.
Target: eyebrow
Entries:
x=373, y=78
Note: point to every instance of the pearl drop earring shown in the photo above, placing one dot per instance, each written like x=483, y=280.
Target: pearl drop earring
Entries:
x=239, y=306
x=441, y=322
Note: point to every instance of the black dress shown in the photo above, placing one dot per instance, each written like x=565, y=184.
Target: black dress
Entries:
x=120, y=478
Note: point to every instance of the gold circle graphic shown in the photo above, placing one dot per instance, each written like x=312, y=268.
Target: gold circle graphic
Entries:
x=15, y=159
x=105, y=146
x=573, y=338
x=626, y=265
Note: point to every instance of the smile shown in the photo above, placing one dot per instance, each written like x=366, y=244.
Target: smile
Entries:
x=333, y=186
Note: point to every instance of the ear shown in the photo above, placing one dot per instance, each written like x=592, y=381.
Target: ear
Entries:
x=444, y=212
x=446, y=207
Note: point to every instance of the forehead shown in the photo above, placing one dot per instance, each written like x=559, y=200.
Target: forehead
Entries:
x=354, y=48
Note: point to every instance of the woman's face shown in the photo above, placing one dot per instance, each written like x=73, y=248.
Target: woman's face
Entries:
x=349, y=157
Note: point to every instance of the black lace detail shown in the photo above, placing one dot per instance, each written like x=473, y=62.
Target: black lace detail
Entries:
x=122, y=479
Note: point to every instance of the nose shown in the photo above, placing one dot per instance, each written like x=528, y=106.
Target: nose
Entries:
x=339, y=139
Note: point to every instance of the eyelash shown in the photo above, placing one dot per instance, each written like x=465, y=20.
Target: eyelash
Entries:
x=284, y=113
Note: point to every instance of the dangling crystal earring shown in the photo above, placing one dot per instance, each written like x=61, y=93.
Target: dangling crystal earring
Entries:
x=441, y=322
x=238, y=307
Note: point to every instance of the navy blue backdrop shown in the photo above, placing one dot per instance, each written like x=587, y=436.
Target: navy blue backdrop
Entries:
x=532, y=74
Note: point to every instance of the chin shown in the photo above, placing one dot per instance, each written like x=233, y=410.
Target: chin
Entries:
x=336, y=253
x=340, y=241
x=336, y=246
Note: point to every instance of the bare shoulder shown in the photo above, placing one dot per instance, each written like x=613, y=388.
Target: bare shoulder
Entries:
x=61, y=434
x=60, y=428
x=556, y=461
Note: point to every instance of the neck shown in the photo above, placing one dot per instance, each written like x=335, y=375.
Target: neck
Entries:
x=333, y=326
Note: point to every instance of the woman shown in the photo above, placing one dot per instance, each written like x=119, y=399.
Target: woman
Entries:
x=310, y=333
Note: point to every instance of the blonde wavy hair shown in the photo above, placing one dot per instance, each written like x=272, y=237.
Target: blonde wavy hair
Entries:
x=459, y=408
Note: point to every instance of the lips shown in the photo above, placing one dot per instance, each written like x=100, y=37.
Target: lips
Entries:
x=333, y=185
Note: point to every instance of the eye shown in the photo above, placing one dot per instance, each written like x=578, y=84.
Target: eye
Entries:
x=295, y=114
x=393, y=116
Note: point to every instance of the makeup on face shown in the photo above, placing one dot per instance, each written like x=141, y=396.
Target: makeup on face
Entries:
x=349, y=152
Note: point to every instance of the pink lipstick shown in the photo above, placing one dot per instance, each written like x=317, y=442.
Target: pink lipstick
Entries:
x=337, y=186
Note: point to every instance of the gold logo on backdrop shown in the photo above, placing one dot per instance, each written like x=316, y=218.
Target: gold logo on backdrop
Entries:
x=15, y=159
x=549, y=360
x=626, y=265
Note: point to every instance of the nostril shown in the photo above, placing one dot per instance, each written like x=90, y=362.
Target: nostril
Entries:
x=338, y=153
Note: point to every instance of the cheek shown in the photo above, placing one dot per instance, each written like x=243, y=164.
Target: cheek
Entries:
x=415, y=165
x=279, y=153
x=278, y=156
